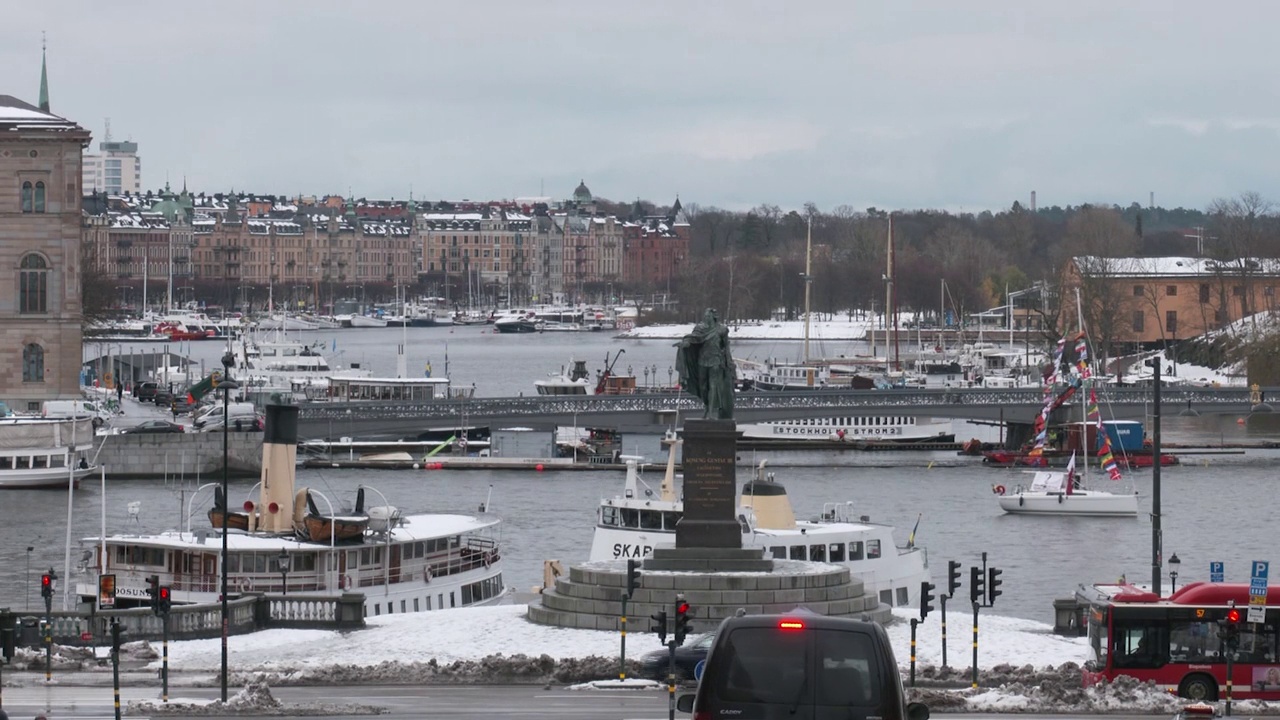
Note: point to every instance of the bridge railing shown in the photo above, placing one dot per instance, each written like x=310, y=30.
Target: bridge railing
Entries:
x=452, y=409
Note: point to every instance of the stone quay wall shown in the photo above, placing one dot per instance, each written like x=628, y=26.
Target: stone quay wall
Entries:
x=152, y=455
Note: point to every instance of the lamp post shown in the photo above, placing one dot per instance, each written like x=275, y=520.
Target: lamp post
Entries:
x=284, y=562
x=226, y=385
x=1174, y=564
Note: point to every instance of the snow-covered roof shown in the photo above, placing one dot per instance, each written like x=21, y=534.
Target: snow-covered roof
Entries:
x=18, y=115
x=138, y=220
x=1172, y=267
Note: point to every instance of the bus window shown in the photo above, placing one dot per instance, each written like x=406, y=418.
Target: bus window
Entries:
x=1139, y=644
x=1193, y=641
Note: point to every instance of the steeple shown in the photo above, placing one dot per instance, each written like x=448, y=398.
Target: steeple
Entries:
x=44, y=77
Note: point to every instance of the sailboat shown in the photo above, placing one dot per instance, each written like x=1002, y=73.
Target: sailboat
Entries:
x=1062, y=493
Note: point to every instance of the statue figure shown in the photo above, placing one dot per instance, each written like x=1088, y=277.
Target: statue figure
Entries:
x=706, y=367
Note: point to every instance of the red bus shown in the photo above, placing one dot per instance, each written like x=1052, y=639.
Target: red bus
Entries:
x=1174, y=640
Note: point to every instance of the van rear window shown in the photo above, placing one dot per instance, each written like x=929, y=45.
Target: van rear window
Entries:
x=768, y=665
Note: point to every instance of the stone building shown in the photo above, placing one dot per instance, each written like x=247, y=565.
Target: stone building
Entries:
x=40, y=244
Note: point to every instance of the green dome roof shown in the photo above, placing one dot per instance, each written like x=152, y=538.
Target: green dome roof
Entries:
x=582, y=194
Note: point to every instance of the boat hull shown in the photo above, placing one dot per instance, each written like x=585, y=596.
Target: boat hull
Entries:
x=40, y=478
x=1084, y=504
x=321, y=529
x=516, y=327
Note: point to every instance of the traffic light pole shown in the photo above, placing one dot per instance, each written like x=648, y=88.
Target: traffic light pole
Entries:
x=48, y=632
x=976, y=605
x=943, y=600
x=115, y=663
x=914, y=623
x=164, y=667
x=622, y=658
x=671, y=679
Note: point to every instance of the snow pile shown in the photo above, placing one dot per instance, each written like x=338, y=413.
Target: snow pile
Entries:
x=490, y=670
x=254, y=699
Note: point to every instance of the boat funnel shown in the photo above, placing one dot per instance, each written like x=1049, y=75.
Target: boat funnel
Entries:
x=279, y=455
x=769, y=502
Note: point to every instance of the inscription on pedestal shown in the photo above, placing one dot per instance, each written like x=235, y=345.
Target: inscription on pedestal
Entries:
x=710, y=486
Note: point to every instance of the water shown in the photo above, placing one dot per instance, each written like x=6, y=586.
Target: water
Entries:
x=1215, y=507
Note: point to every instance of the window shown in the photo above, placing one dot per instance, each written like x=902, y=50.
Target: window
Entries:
x=855, y=550
x=1204, y=292
x=873, y=549
x=32, y=363
x=28, y=193
x=1171, y=290
x=33, y=280
x=1137, y=291
x=1139, y=323
x=39, y=197
x=1171, y=321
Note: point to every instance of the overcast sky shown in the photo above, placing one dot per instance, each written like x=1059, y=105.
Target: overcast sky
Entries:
x=894, y=104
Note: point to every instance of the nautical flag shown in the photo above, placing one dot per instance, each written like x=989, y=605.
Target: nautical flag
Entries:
x=911, y=539
x=1071, y=466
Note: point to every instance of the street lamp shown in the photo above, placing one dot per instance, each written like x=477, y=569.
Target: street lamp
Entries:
x=226, y=385
x=284, y=562
x=1174, y=564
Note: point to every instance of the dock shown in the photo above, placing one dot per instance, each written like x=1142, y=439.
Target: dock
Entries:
x=467, y=463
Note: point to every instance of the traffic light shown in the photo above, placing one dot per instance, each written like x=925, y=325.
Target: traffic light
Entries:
x=926, y=599
x=659, y=626
x=976, y=592
x=633, y=577
x=153, y=593
x=993, y=585
x=682, y=620
x=953, y=578
x=1230, y=628
x=46, y=585
x=164, y=600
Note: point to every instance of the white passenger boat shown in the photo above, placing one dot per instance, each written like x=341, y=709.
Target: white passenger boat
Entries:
x=43, y=452
x=400, y=563
x=632, y=524
x=1059, y=493
x=901, y=428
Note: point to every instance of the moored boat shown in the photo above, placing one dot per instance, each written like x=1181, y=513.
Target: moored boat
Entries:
x=43, y=452
x=1060, y=493
x=632, y=524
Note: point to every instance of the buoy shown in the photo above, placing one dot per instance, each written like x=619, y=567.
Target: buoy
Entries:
x=538, y=467
x=999, y=489
x=415, y=466
x=1239, y=421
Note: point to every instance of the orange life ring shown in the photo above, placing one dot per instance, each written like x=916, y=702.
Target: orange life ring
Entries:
x=998, y=489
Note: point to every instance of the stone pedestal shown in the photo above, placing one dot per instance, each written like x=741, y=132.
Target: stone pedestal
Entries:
x=709, y=560
x=710, y=486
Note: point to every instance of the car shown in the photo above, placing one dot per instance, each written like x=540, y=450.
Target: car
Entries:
x=163, y=398
x=145, y=391
x=804, y=666
x=654, y=665
x=155, y=426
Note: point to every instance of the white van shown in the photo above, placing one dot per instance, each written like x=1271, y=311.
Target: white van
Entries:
x=76, y=408
x=212, y=415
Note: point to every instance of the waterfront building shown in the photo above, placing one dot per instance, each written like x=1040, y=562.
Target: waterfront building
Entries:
x=114, y=169
x=40, y=249
x=655, y=247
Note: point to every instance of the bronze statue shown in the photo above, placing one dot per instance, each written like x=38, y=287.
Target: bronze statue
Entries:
x=706, y=366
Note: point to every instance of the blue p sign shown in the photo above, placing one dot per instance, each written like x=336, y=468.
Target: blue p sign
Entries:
x=697, y=670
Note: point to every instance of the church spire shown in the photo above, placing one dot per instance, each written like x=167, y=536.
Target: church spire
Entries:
x=44, y=77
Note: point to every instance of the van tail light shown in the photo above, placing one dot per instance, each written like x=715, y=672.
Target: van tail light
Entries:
x=701, y=715
x=791, y=624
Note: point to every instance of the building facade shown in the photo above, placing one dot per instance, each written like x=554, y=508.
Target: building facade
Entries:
x=40, y=247
x=114, y=169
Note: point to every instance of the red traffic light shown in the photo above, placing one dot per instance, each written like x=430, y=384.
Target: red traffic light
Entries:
x=682, y=608
x=1233, y=615
x=46, y=581
x=164, y=593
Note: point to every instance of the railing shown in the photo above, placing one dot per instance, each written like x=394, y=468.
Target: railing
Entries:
x=808, y=400
x=187, y=622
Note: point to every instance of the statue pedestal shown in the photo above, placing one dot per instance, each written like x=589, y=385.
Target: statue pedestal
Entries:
x=710, y=486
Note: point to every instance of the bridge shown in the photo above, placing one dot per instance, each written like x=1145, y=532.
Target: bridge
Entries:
x=655, y=413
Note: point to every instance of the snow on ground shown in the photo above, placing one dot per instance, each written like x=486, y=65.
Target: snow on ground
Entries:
x=475, y=633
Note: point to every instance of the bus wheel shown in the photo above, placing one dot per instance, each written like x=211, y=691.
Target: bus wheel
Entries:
x=1199, y=687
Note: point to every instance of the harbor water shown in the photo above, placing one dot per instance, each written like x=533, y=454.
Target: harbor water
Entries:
x=1216, y=507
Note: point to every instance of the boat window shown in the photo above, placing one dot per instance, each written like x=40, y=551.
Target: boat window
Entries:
x=57, y=461
x=40, y=461
x=902, y=596
x=873, y=549
x=233, y=563
x=6, y=463
x=669, y=520
x=353, y=559
x=818, y=553
x=428, y=603
x=836, y=552
x=24, y=463
x=886, y=597
x=797, y=552
x=650, y=520
x=630, y=517
x=452, y=603
x=608, y=515
x=855, y=550
x=377, y=609
x=134, y=555
x=260, y=563
x=779, y=552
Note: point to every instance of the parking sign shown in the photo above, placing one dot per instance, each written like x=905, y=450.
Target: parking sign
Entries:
x=1258, y=592
x=1216, y=573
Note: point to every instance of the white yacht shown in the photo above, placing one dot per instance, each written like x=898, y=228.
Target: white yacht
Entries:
x=576, y=381
x=1059, y=493
x=278, y=363
x=43, y=452
x=632, y=524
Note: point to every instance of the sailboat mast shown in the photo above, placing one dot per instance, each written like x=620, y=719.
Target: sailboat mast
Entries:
x=890, y=308
x=808, y=284
x=1084, y=402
